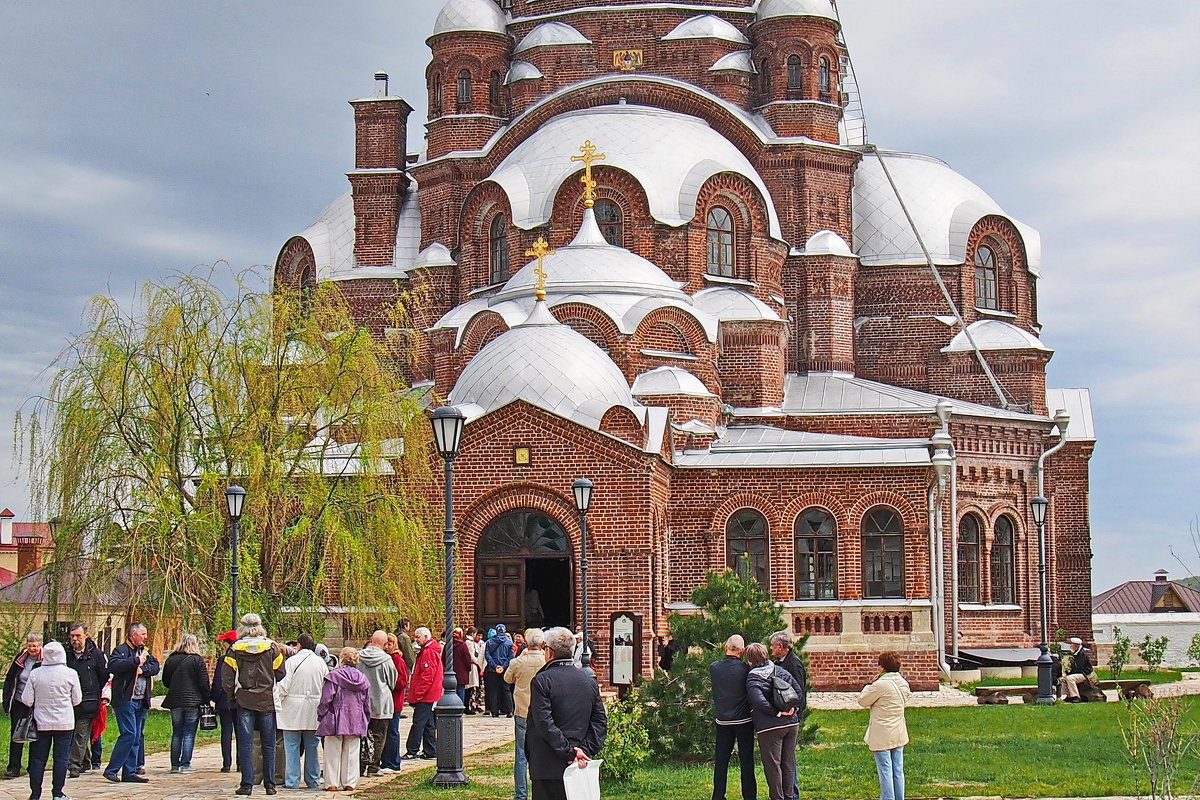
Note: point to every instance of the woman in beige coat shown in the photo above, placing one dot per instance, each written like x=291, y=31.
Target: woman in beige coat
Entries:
x=887, y=732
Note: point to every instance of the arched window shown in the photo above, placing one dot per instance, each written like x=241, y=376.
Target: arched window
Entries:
x=985, y=278
x=746, y=546
x=608, y=217
x=1004, y=577
x=498, y=250
x=816, y=565
x=720, y=242
x=764, y=77
x=438, y=94
x=823, y=79
x=464, y=90
x=494, y=90
x=795, y=73
x=883, y=554
x=308, y=286
x=968, y=559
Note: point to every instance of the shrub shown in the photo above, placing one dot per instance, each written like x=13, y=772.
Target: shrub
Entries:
x=1158, y=739
x=1153, y=650
x=627, y=745
x=1056, y=647
x=1120, y=653
x=1193, y=652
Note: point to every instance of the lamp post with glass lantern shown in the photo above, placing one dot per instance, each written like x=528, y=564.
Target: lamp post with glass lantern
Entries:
x=582, y=489
x=235, y=499
x=448, y=423
x=1045, y=664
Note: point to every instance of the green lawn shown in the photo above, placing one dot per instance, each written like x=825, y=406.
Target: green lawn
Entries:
x=158, y=733
x=1018, y=750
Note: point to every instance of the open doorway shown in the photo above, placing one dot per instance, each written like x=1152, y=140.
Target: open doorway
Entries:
x=524, y=572
x=547, y=592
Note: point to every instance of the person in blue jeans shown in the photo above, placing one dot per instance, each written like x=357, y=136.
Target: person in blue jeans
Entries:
x=255, y=664
x=51, y=693
x=133, y=668
x=519, y=673
x=186, y=678
x=887, y=732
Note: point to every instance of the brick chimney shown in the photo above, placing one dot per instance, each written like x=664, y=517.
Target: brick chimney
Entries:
x=380, y=177
x=29, y=553
x=6, y=527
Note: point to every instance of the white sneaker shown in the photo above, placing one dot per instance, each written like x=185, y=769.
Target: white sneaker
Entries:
x=386, y=771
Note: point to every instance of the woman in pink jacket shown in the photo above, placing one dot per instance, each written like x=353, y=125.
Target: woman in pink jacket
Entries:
x=342, y=719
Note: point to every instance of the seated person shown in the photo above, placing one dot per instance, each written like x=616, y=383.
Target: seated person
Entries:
x=1081, y=671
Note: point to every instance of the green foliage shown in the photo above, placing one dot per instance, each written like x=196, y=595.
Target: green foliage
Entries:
x=1193, y=651
x=1158, y=738
x=1153, y=649
x=152, y=413
x=627, y=745
x=1120, y=653
x=679, y=716
x=1056, y=646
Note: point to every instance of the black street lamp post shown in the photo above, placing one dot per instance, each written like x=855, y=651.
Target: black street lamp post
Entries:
x=582, y=489
x=448, y=424
x=1045, y=665
x=235, y=498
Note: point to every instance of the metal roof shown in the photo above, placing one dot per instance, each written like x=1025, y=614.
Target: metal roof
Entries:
x=520, y=71
x=944, y=205
x=549, y=34
x=706, y=26
x=470, y=15
x=669, y=380
x=992, y=334
x=727, y=303
x=671, y=155
x=1139, y=597
x=738, y=60
x=1077, y=403
x=767, y=446
x=331, y=237
x=801, y=8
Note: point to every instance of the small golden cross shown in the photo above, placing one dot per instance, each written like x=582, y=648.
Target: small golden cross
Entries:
x=589, y=157
x=540, y=250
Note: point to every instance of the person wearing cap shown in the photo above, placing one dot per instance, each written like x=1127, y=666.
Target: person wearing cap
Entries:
x=225, y=705
x=498, y=653
x=1081, y=671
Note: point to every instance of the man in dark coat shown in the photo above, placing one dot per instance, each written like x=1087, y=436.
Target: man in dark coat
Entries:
x=91, y=663
x=784, y=652
x=1081, y=671
x=732, y=712
x=567, y=723
x=133, y=668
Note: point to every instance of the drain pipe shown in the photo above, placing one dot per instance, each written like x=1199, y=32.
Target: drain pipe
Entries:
x=943, y=463
x=943, y=440
x=936, y=618
x=1062, y=420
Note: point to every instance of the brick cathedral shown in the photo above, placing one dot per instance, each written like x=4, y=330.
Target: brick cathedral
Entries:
x=655, y=249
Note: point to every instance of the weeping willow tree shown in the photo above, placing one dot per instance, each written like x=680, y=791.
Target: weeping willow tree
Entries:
x=151, y=414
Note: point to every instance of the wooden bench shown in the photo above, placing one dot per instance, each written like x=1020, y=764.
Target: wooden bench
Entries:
x=1130, y=689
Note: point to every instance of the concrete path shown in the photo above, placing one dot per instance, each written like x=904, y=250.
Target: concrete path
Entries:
x=208, y=782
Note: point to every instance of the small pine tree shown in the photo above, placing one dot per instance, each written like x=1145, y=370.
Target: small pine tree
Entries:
x=678, y=704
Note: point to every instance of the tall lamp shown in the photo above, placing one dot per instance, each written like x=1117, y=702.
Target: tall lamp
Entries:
x=448, y=423
x=1045, y=664
x=235, y=499
x=582, y=488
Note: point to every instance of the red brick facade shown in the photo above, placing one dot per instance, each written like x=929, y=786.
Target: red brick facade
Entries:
x=656, y=527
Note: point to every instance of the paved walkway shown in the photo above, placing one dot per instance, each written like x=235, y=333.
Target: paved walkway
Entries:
x=208, y=782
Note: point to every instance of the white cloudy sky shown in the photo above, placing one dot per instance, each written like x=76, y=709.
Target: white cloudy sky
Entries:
x=142, y=137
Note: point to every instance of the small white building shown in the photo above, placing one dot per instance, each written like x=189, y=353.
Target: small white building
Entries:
x=1159, y=607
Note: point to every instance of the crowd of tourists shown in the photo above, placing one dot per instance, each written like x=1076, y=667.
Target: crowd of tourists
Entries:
x=336, y=716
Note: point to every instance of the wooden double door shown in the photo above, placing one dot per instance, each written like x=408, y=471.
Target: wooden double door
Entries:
x=524, y=574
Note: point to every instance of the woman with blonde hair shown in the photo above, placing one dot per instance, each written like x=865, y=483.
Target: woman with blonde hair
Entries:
x=887, y=732
x=342, y=719
x=188, y=690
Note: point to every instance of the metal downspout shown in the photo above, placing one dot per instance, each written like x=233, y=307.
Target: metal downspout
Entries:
x=935, y=568
x=954, y=554
x=1062, y=420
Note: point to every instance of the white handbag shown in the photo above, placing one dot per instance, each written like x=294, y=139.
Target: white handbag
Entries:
x=583, y=783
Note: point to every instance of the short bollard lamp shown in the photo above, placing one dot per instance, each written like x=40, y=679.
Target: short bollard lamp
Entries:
x=1045, y=665
x=448, y=423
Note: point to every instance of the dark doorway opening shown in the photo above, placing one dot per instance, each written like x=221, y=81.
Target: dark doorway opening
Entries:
x=547, y=592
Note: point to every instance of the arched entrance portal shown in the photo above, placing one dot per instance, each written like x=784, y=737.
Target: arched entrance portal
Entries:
x=523, y=572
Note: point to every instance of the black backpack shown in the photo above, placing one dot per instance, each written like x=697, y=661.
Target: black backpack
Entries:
x=784, y=696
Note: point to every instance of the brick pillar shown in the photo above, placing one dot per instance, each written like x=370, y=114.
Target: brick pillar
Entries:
x=825, y=330
x=379, y=179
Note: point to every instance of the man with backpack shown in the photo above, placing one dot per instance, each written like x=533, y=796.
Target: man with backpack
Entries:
x=785, y=655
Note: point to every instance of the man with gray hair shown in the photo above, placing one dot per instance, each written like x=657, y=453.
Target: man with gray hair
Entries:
x=133, y=668
x=254, y=665
x=566, y=723
x=731, y=708
x=784, y=653
x=520, y=674
x=380, y=671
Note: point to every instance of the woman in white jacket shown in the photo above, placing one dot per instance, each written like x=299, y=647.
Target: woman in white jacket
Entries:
x=52, y=692
x=296, y=700
x=887, y=733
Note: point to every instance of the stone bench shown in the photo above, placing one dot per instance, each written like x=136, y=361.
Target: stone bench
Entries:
x=998, y=695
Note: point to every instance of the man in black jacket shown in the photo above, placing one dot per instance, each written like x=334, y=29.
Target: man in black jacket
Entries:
x=91, y=663
x=732, y=712
x=133, y=668
x=1081, y=670
x=567, y=723
x=784, y=652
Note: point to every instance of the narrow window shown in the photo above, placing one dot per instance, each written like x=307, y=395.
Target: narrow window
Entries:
x=720, y=242
x=823, y=81
x=816, y=565
x=498, y=250
x=608, y=217
x=985, y=278
x=1003, y=564
x=494, y=90
x=764, y=77
x=883, y=554
x=968, y=559
x=746, y=546
x=464, y=90
x=795, y=73
x=436, y=102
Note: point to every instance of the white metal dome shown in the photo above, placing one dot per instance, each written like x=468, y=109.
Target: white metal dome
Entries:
x=992, y=334
x=551, y=33
x=470, y=15
x=796, y=8
x=669, y=380
x=727, y=303
x=706, y=26
x=522, y=71
x=546, y=364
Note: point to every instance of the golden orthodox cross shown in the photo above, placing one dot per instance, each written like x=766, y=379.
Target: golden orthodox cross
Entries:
x=589, y=157
x=540, y=250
